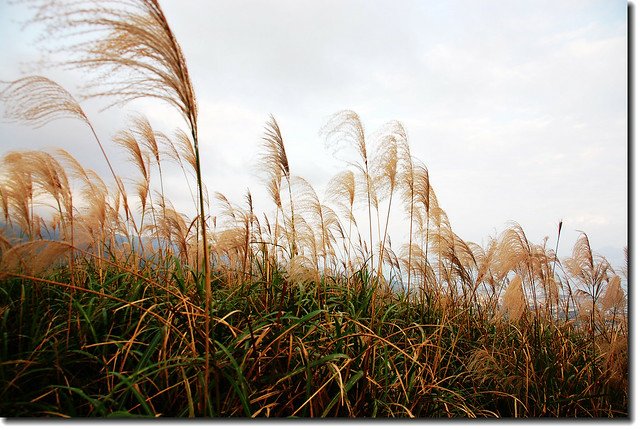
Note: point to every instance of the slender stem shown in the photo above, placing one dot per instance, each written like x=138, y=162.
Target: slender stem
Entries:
x=410, y=240
x=384, y=236
x=207, y=272
x=294, y=250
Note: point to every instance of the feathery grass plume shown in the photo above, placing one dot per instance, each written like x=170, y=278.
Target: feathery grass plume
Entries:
x=275, y=164
x=301, y=270
x=49, y=175
x=129, y=43
x=484, y=274
x=438, y=240
x=93, y=190
x=483, y=366
x=393, y=261
x=341, y=191
x=97, y=221
x=172, y=153
x=590, y=270
x=274, y=157
x=426, y=200
x=386, y=170
x=325, y=222
x=345, y=127
x=37, y=101
x=273, y=188
x=5, y=243
x=514, y=253
x=442, y=245
x=131, y=47
x=407, y=189
x=542, y=261
x=186, y=149
x=227, y=250
x=461, y=263
x=532, y=262
x=615, y=352
x=19, y=190
x=514, y=303
x=126, y=44
x=90, y=180
x=149, y=139
x=142, y=190
x=94, y=219
x=307, y=239
x=33, y=257
x=320, y=216
x=127, y=209
x=333, y=230
x=251, y=236
x=228, y=211
x=183, y=150
x=414, y=260
x=614, y=299
x=141, y=159
x=541, y=271
x=4, y=203
x=266, y=236
x=238, y=236
x=173, y=227
x=513, y=249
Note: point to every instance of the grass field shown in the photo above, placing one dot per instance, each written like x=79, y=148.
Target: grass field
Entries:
x=114, y=304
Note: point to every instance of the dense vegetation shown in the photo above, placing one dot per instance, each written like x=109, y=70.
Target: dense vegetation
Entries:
x=112, y=304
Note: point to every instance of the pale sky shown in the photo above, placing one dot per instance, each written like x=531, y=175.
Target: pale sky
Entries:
x=518, y=108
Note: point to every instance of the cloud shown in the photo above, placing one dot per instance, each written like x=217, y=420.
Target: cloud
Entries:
x=518, y=109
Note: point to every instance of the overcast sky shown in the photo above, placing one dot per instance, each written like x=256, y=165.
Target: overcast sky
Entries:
x=518, y=108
